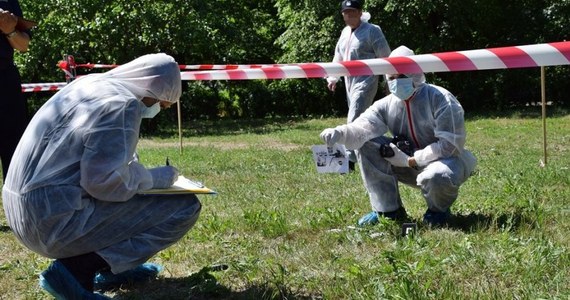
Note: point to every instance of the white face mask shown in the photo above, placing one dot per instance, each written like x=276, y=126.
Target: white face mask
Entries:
x=403, y=88
x=150, y=112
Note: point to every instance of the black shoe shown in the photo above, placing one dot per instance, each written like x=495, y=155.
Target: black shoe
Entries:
x=351, y=166
x=397, y=215
x=436, y=218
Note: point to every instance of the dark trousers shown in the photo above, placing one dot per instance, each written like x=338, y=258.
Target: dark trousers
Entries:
x=13, y=113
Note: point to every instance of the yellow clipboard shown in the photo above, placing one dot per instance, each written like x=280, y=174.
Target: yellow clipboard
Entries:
x=182, y=186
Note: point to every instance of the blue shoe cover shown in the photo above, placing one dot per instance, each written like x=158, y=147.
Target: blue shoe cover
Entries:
x=145, y=272
x=369, y=219
x=436, y=219
x=57, y=281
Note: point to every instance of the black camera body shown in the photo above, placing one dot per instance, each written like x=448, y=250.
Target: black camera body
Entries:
x=401, y=142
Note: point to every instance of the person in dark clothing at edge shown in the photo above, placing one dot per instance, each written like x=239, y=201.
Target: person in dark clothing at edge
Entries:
x=14, y=112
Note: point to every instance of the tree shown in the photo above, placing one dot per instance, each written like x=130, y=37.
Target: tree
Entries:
x=115, y=32
x=287, y=31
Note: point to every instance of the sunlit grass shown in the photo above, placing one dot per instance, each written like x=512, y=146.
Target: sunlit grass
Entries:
x=285, y=231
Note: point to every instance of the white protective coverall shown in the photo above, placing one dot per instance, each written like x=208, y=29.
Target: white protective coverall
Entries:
x=73, y=184
x=367, y=41
x=433, y=121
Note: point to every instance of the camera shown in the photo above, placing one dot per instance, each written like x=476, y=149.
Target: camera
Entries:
x=401, y=142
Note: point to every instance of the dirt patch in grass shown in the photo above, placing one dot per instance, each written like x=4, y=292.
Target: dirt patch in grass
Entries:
x=267, y=144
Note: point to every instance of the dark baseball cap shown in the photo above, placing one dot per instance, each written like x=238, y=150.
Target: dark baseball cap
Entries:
x=351, y=4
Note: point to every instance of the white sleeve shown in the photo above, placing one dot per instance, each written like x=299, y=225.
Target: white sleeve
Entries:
x=337, y=58
x=428, y=154
x=367, y=126
x=108, y=171
x=332, y=79
x=449, y=131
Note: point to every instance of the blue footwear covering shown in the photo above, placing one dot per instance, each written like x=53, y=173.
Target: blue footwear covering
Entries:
x=436, y=219
x=145, y=272
x=370, y=218
x=57, y=281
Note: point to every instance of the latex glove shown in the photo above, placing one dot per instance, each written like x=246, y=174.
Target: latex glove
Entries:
x=330, y=136
x=400, y=159
x=163, y=177
x=331, y=83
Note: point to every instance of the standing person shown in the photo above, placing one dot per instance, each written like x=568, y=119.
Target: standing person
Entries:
x=75, y=190
x=14, y=113
x=358, y=40
x=432, y=120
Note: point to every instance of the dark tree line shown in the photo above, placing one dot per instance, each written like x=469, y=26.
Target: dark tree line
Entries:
x=287, y=31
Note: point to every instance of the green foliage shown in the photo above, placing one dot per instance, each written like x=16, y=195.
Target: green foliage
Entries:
x=311, y=30
x=287, y=31
x=193, y=32
x=440, y=26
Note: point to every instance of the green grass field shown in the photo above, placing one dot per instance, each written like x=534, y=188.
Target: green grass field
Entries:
x=286, y=232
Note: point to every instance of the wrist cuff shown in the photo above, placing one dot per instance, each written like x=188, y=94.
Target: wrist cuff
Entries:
x=11, y=34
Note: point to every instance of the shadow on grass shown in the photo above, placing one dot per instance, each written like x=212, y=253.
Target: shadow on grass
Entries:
x=5, y=228
x=201, y=286
x=476, y=222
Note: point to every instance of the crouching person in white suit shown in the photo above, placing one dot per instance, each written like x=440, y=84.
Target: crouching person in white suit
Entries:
x=432, y=123
x=75, y=190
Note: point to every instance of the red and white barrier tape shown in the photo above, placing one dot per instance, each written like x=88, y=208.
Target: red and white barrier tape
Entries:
x=96, y=66
x=42, y=87
x=64, y=66
x=229, y=67
x=484, y=59
x=550, y=54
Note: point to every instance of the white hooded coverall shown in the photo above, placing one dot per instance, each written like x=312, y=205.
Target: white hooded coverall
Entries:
x=433, y=121
x=367, y=41
x=73, y=185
